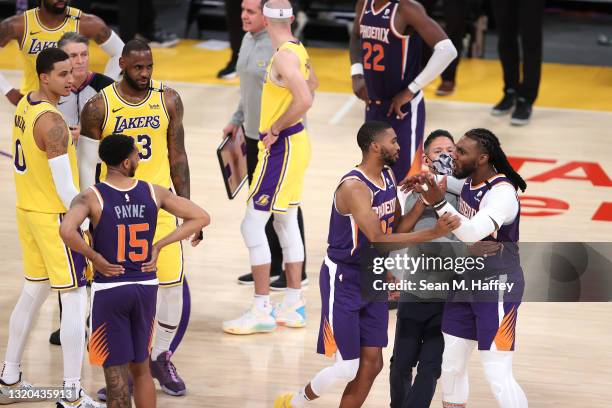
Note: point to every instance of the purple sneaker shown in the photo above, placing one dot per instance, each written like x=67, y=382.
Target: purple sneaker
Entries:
x=101, y=394
x=165, y=373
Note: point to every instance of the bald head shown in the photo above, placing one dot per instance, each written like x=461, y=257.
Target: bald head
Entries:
x=279, y=5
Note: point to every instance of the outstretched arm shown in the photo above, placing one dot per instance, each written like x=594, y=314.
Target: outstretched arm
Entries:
x=179, y=165
x=10, y=29
x=94, y=27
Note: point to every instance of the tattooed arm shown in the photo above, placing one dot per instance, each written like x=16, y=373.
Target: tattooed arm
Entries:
x=93, y=27
x=179, y=165
x=10, y=29
x=92, y=117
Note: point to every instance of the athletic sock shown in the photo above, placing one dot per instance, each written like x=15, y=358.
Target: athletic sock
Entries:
x=169, y=312
x=292, y=296
x=299, y=399
x=10, y=373
x=73, y=384
x=164, y=333
x=262, y=302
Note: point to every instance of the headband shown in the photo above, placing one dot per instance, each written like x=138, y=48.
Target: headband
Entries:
x=277, y=13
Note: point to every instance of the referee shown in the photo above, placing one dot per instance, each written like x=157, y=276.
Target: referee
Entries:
x=86, y=85
x=253, y=59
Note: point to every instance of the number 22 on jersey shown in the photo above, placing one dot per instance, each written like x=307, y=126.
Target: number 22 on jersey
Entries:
x=374, y=55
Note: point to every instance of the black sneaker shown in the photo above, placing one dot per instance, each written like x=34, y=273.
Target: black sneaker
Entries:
x=281, y=283
x=229, y=72
x=247, y=278
x=522, y=113
x=55, y=338
x=506, y=104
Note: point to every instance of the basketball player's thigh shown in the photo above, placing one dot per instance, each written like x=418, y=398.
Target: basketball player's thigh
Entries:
x=459, y=320
x=110, y=340
x=66, y=268
x=292, y=184
x=33, y=263
x=142, y=318
x=340, y=298
x=170, y=260
x=496, y=324
x=374, y=324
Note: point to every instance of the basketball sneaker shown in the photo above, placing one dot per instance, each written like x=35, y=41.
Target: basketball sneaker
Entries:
x=291, y=316
x=9, y=393
x=522, y=113
x=253, y=321
x=84, y=401
x=506, y=104
x=283, y=401
x=165, y=373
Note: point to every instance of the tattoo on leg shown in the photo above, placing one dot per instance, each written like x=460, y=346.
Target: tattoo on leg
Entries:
x=117, y=388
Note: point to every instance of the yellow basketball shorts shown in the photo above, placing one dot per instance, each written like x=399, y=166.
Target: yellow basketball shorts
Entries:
x=170, y=260
x=45, y=256
x=278, y=179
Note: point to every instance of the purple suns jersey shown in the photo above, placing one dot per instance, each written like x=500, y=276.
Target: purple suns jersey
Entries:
x=391, y=61
x=508, y=234
x=345, y=240
x=125, y=231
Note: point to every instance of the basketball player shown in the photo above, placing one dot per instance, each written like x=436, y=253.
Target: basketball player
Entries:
x=46, y=181
x=84, y=86
x=385, y=53
x=284, y=153
x=42, y=27
x=352, y=330
x=123, y=214
x=489, y=210
x=152, y=114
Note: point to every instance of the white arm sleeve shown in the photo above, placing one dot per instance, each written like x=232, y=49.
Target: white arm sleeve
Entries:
x=443, y=54
x=498, y=207
x=113, y=47
x=453, y=184
x=5, y=86
x=87, y=157
x=62, y=177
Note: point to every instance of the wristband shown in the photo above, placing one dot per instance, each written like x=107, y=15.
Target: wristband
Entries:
x=414, y=87
x=357, y=69
x=5, y=86
x=439, y=205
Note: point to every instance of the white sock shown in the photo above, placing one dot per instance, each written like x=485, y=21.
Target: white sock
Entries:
x=72, y=334
x=299, y=399
x=73, y=383
x=292, y=296
x=262, y=302
x=10, y=373
x=32, y=297
x=169, y=311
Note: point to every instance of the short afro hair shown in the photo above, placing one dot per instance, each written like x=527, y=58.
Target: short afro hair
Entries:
x=436, y=134
x=114, y=149
x=368, y=132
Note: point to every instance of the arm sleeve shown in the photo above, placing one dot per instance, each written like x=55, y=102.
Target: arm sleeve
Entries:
x=62, y=177
x=498, y=207
x=87, y=156
x=113, y=47
x=444, y=53
x=5, y=86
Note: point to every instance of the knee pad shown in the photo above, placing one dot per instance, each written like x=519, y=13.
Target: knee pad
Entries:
x=346, y=370
x=253, y=229
x=37, y=292
x=170, y=304
x=455, y=387
x=498, y=369
x=288, y=231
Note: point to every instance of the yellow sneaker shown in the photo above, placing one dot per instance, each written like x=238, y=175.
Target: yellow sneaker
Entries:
x=283, y=401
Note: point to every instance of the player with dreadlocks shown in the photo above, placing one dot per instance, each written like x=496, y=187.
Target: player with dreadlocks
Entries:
x=489, y=210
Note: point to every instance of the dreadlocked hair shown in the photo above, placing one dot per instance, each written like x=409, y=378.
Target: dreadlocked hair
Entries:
x=490, y=143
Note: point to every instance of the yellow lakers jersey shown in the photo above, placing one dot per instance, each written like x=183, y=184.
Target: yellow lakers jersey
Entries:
x=147, y=122
x=33, y=179
x=37, y=37
x=275, y=99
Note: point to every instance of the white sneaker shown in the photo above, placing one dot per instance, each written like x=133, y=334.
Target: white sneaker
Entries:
x=10, y=394
x=291, y=316
x=254, y=320
x=84, y=401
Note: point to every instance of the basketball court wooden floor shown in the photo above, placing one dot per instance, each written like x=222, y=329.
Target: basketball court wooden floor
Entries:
x=563, y=356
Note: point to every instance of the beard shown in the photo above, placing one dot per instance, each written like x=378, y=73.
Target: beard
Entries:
x=465, y=171
x=134, y=84
x=389, y=159
x=54, y=8
x=132, y=171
